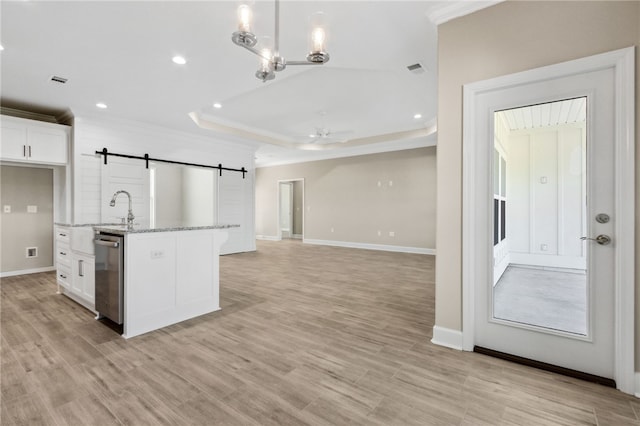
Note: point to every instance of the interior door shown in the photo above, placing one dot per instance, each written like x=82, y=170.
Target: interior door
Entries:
x=591, y=351
x=286, y=209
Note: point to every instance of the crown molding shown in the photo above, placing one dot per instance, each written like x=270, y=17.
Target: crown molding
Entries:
x=377, y=148
x=455, y=9
x=28, y=115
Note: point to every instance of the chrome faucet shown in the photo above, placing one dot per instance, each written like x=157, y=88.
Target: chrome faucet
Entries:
x=130, y=216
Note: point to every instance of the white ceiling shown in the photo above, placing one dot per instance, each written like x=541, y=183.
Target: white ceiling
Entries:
x=120, y=53
x=568, y=111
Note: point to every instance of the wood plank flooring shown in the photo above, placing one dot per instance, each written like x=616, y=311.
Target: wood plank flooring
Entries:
x=306, y=335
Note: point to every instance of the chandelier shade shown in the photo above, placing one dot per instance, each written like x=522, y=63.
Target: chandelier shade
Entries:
x=270, y=59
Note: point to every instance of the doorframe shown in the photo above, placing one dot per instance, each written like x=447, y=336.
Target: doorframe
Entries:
x=279, y=229
x=623, y=63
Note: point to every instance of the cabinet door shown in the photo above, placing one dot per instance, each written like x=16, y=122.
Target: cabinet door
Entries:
x=47, y=145
x=84, y=277
x=77, y=270
x=14, y=142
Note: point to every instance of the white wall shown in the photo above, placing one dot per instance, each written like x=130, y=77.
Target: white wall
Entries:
x=546, y=196
x=92, y=133
x=124, y=174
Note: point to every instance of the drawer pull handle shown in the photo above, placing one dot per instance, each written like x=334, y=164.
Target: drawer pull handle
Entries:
x=62, y=235
x=63, y=276
x=63, y=253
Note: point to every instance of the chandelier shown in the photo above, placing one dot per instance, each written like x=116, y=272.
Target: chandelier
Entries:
x=271, y=60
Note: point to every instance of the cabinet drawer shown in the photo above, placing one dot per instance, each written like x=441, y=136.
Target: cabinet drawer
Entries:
x=63, y=275
x=63, y=255
x=62, y=235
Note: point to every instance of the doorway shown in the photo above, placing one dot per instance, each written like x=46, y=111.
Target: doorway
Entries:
x=605, y=348
x=291, y=209
x=27, y=198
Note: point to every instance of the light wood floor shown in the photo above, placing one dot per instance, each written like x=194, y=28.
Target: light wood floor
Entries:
x=307, y=335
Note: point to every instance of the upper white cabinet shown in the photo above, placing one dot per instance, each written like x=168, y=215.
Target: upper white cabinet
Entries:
x=33, y=141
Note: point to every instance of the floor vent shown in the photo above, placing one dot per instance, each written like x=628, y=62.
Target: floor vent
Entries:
x=32, y=251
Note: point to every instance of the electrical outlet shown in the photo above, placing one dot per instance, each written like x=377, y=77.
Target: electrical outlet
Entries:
x=32, y=209
x=379, y=184
x=390, y=183
x=544, y=247
x=331, y=229
x=7, y=209
x=392, y=234
x=379, y=233
x=157, y=254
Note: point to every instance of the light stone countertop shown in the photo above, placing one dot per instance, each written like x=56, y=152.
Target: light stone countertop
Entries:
x=85, y=225
x=120, y=229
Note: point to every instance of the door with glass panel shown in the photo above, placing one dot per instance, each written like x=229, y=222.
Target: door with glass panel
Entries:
x=551, y=293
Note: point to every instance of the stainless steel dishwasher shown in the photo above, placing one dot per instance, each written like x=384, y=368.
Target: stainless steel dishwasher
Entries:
x=110, y=276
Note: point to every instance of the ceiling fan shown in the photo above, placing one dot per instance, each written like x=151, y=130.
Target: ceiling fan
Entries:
x=323, y=135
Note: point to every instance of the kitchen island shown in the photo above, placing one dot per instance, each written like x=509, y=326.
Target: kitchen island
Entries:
x=170, y=274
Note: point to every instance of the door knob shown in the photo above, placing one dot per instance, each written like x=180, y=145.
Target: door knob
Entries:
x=601, y=239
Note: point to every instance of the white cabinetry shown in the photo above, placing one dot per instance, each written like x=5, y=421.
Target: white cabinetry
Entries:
x=33, y=141
x=75, y=269
x=83, y=271
x=170, y=277
x=63, y=257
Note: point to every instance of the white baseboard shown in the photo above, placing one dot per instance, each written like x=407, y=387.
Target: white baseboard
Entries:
x=296, y=236
x=637, y=384
x=447, y=337
x=381, y=247
x=569, y=262
x=268, y=238
x=27, y=271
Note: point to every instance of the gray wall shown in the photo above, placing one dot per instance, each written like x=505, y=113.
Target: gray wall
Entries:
x=20, y=187
x=344, y=194
x=169, y=197
x=185, y=195
x=297, y=207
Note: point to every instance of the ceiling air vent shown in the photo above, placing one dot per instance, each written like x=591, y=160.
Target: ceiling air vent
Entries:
x=57, y=79
x=416, y=68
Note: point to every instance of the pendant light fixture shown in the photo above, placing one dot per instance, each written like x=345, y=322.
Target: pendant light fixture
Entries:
x=270, y=59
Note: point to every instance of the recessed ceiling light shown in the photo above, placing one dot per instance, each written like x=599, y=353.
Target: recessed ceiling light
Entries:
x=217, y=105
x=417, y=116
x=179, y=60
x=101, y=105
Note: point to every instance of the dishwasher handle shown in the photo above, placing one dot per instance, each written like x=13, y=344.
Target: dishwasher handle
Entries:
x=112, y=244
